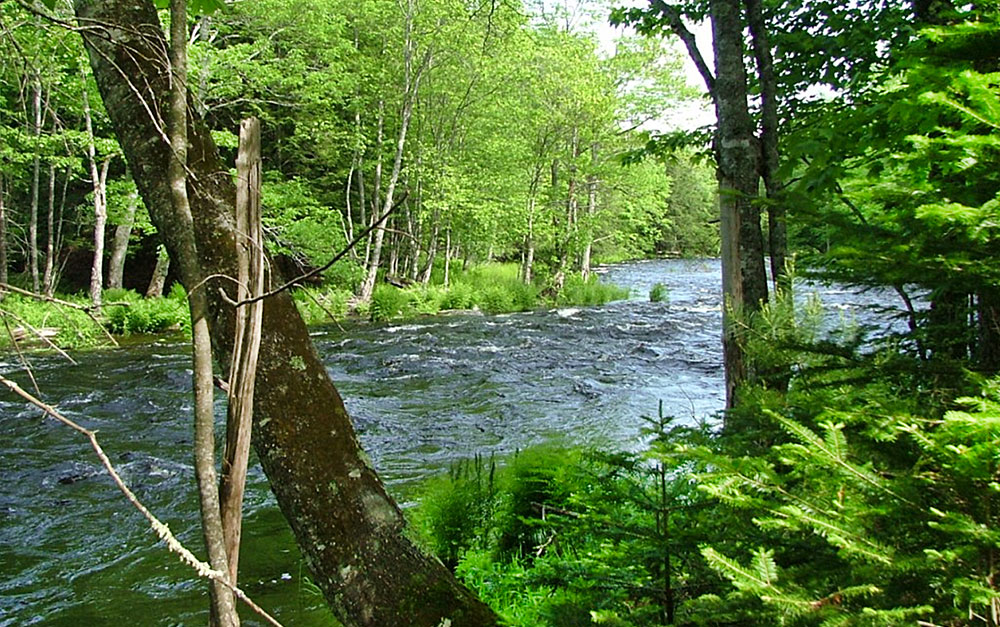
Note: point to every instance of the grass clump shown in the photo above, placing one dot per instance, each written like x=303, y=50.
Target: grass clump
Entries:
x=659, y=293
x=580, y=291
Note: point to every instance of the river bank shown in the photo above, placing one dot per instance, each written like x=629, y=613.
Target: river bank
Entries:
x=423, y=394
x=68, y=321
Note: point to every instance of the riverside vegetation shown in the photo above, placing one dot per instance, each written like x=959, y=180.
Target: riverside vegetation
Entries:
x=857, y=491
x=490, y=288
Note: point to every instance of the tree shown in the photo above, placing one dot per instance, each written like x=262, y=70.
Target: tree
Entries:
x=349, y=528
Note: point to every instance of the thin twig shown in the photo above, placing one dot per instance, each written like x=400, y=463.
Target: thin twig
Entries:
x=37, y=334
x=203, y=569
x=87, y=309
x=323, y=268
x=20, y=355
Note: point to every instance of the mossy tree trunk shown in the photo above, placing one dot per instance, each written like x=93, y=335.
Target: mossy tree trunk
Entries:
x=349, y=529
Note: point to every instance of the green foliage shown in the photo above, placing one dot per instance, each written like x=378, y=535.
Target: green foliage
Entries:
x=659, y=293
x=68, y=327
x=140, y=315
x=389, y=302
x=577, y=291
x=319, y=305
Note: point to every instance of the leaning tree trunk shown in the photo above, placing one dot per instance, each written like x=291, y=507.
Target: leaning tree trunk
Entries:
x=160, y=271
x=350, y=530
x=744, y=281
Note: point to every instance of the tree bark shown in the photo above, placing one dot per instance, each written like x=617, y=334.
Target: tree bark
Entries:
x=98, y=179
x=48, y=275
x=3, y=235
x=350, y=530
x=243, y=370
x=36, y=101
x=777, y=237
x=744, y=281
x=160, y=271
x=223, y=607
x=119, y=245
x=588, y=244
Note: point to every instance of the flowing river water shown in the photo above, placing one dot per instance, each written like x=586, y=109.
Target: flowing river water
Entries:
x=423, y=395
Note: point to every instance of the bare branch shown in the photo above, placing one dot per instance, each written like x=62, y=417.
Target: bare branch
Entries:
x=164, y=533
x=316, y=271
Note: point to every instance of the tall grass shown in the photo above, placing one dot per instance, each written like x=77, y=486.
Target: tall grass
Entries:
x=578, y=291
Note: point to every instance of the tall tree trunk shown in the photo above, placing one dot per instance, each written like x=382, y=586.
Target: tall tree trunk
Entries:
x=588, y=243
x=223, y=608
x=48, y=276
x=776, y=227
x=36, y=101
x=3, y=234
x=411, y=86
x=529, y=243
x=98, y=179
x=160, y=271
x=432, y=244
x=744, y=281
x=447, y=256
x=376, y=186
x=119, y=245
x=350, y=530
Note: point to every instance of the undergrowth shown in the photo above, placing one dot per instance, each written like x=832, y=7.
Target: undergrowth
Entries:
x=854, y=486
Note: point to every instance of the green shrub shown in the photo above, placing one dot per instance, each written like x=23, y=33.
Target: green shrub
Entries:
x=459, y=296
x=495, y=299
x=152, y=315
x=316, y=305
x=388, y=302
x=426, y=300
x=659, y=293
x=577, y=291
x=74, y=328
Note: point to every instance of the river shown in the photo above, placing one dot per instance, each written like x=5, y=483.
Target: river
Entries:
x=422, y=394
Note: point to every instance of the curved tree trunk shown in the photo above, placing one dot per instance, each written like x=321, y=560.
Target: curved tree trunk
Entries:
x=350, y=530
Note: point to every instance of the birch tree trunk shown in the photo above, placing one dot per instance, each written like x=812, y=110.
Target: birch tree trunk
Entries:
x=588, y=244
x=160, y=271
x=3, y=234
x=350, y=530
x=36, y=101
x=48, y=276
x=119, y=245
x=98, y=179
x=411, y=85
